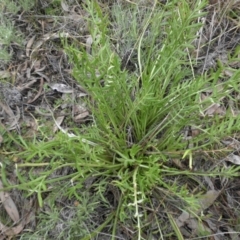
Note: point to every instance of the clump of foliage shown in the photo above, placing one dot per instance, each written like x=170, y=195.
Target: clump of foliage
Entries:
x=138, y=117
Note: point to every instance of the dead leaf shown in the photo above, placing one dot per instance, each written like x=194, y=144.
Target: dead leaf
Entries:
x=59, y=121
x=180, y=221
x=189, y=220
x=208, y=199
x=80, y=112
x=29, y=45
x=28, y=73
x=11, y=120
x=47, y=37
x=233, y=158
x=9, y=205
x=56, y=35
x=12, y=211
x=7, y=109
x=27, y=85
x=5, y=74
x=215, y=108
x=81, y=116
x=36, y=46
x=238, y=193
x=228, y=72
x=64, y=6
x=60, y=87
x=11, y=231
x=231, y=143
x=36, y=65
x=89, y=42
x=43, y=75
x=81, y=94
x=209, y=182
x=212, y=108
x=205, y=201
x=15, y=120
x=39, y=92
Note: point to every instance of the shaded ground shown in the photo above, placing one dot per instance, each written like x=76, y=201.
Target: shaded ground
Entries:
x=42, y=87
